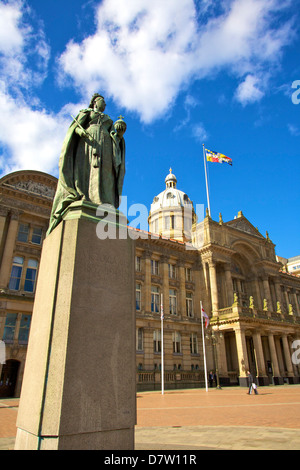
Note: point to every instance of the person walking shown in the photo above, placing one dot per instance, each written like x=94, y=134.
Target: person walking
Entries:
x=252, y=384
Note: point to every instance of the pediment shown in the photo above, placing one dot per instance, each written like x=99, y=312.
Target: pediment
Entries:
x=35, y=183
x=243, y=224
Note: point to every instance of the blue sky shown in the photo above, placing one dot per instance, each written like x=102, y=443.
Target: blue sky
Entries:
x=182, y=73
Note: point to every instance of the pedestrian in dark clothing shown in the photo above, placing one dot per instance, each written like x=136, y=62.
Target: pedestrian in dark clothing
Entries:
x=252, y=384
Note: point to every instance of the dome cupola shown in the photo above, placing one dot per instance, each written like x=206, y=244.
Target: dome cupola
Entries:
x=172, y=212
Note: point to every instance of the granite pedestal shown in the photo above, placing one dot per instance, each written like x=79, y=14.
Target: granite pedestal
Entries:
x=79, y=383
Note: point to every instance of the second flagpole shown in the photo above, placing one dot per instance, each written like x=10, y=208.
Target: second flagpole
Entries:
x=204, y=352
x=162, y=345
x=205, y=169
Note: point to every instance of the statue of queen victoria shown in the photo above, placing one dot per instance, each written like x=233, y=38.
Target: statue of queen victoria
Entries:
x=92, y=161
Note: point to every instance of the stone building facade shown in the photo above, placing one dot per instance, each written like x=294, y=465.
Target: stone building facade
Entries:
x=229, y=267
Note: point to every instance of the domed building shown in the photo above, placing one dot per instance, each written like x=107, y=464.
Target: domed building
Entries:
x=229, y=267
x=172, y=212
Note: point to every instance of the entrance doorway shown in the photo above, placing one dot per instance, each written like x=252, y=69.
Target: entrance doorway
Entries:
x=251, y=355
x=8, y=378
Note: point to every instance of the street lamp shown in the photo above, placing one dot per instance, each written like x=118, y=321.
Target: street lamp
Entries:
x=214, y=337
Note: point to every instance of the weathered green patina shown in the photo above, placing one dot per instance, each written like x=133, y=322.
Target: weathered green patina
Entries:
x=92, y=161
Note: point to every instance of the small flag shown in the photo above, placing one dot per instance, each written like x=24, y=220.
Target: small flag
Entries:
x=161, y=311
x=212, y=156
x=204, y=315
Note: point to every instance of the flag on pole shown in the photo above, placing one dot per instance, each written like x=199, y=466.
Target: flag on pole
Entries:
x=212, y=156
x=204, y=315
x=161, y=310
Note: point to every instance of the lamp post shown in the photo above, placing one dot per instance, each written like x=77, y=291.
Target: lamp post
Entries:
x=214, y=337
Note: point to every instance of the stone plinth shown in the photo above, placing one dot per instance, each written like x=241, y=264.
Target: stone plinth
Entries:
x=79, y=384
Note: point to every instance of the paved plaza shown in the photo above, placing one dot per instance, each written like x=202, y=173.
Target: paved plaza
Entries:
x=198, y=420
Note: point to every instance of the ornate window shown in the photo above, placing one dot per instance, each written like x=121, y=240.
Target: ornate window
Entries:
x=154, y=299
x=16, y=273
x=30, y=277
x=173, y=301
x=176, y=337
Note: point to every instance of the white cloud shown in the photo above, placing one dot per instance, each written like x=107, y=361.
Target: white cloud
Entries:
x=143, y=53
x=249, y=90
x=11, y=38
x=24, y=52
x=32, y=139
x=199, y=132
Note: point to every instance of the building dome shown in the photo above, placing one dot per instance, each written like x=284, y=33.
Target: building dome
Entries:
x=172, y=211
x=171, y=196
x=171, y=180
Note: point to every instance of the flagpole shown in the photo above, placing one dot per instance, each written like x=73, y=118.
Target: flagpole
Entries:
x=204, y=353
x=162, y=345
x=207, y=192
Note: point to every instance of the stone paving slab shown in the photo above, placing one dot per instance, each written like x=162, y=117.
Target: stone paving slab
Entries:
x=216, y=438
x=198, y=420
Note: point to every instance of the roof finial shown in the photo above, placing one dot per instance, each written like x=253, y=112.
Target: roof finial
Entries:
x=170, y=170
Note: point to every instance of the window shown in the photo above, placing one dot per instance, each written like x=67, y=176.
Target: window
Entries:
x=154, y=299
x=176, y=342
x=139, y=339
x=138, y=296
x=173, y=301
x=170, y=222
x=30, y=277
x=138, y=263
x=189, y=304
x=16, y=273
x=23, y=233
x=36, y=237
x=9, y=328
x=154, y=267
x=24, y=329
x=188, y=274
x=172, y=271
x=156, y=341
x=194, y=343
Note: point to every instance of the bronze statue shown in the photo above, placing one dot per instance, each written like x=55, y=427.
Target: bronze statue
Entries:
x=92, y=161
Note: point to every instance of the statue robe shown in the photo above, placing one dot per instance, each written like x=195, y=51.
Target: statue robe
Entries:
x=91, y=170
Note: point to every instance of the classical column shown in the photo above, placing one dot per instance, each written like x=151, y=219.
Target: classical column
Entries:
x=260, y=360
x=165, y=286
x=259, y=300
x=267, y=292
x=287, y=356
x=229, y=285
x=287, y=300
x=182, y=290
x=148, y=348
x=198, y=286
x=213, y=287
x=278, y=292
x=243, y=362
x=147, y=285
x=274, y=359
x=297, y=308
x=222, y=359
x=9, y=250
x=3, y=215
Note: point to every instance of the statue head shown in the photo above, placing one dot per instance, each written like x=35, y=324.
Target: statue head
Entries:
x=96, y=97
